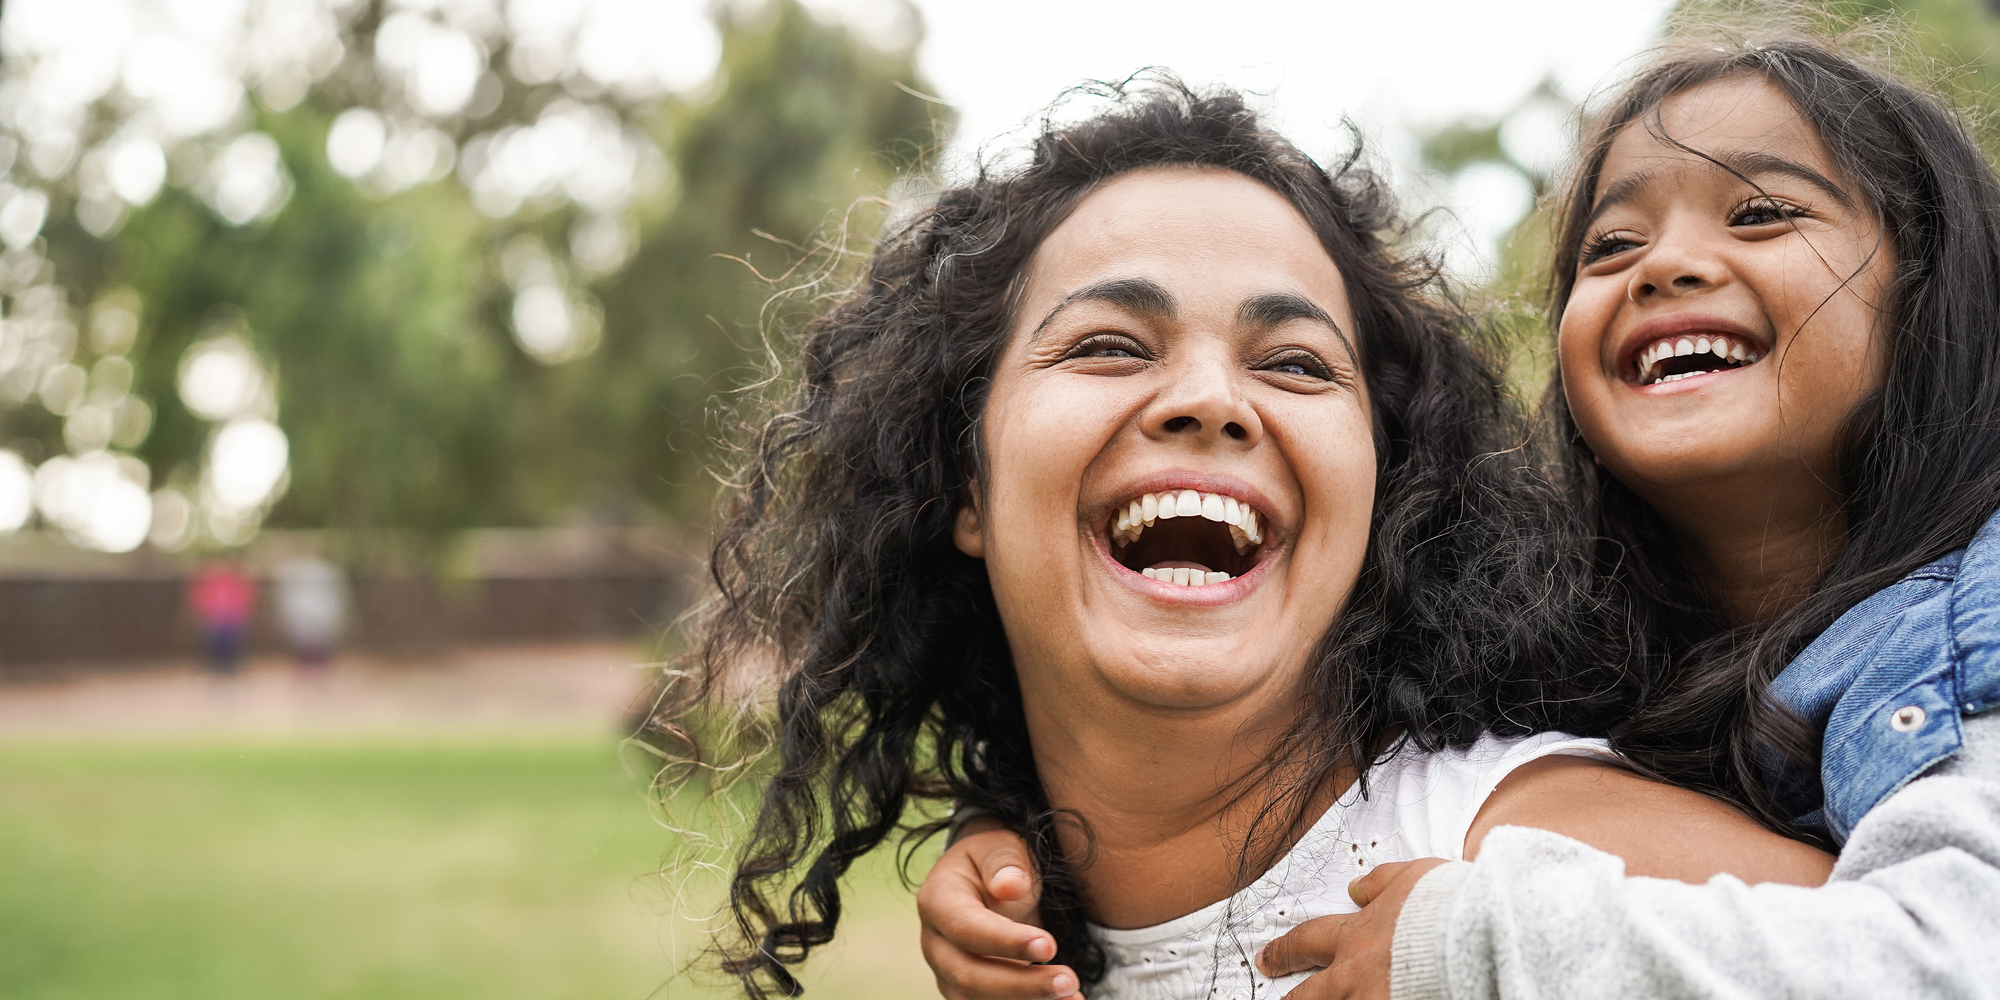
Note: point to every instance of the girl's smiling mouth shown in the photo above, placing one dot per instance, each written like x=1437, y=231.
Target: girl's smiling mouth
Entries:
x=1673, y=348
x=1674, y=358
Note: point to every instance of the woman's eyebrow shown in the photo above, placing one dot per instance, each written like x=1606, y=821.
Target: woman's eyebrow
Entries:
x=1273, y=308
x=1142, y=296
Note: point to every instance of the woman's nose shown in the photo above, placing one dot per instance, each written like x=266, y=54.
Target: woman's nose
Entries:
x=1203, y=405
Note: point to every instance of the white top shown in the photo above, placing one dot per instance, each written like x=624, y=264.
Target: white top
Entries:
x=1420, y=805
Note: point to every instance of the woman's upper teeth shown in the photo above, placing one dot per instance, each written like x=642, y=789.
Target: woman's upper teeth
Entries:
x=1246, y=529
x=1724, y=349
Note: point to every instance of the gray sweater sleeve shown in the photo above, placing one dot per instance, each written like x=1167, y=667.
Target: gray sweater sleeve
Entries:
x=1912, y=910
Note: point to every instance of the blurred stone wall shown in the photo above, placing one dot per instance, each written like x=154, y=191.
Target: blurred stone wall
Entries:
x=63, y=611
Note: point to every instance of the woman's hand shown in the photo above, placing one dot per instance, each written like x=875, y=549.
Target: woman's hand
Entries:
x=979, y=908
x=1350, y=949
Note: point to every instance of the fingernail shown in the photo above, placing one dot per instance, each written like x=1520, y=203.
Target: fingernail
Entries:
x=1041, y=949
x=1016, y=869
x=1258, y=960
x=1062, y=985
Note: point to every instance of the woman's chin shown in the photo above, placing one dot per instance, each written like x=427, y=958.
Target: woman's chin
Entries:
x=1194, y=673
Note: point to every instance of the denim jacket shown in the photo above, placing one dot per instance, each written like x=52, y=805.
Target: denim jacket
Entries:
x=1890, y=680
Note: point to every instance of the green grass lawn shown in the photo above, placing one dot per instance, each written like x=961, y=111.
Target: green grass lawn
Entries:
x=384, y=868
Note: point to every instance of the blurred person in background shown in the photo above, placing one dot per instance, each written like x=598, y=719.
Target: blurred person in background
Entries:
x=223, y=597
x=312, y=609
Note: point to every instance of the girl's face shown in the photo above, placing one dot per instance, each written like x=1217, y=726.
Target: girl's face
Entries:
x=1178, y=469
x=1720, y=334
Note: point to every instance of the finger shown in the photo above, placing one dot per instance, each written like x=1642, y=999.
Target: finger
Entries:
x=949, y=905
x=1011, y=884
x=1364, y=889
x=1005, y=869
x=1310, y=945
x=981, y=979
x=1326, y=984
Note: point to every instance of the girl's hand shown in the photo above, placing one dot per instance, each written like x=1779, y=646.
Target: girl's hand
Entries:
x=979, y=908
x=1351, y=949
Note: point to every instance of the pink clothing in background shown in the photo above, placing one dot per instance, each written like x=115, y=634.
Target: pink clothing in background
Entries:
x=222, y=597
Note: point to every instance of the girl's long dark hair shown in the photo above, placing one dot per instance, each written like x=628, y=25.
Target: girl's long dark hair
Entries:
x=1920, y=465
x=835, y=572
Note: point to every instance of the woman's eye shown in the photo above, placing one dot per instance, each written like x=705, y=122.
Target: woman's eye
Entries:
x=1115, y=348
x=1764, y=213
x=1300, y=365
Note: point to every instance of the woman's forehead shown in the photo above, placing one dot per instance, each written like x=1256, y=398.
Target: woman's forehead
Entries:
x=1194, y=230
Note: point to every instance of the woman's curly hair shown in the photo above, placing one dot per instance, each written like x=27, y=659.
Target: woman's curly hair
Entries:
x=836, y=569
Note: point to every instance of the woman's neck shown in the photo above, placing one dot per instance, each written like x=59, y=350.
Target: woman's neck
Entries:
x=1168, y=797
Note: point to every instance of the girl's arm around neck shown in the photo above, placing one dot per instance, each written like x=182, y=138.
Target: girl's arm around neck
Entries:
x=1660, y=830
x=1910, y=912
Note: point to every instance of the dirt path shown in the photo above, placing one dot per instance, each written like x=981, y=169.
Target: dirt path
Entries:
x=531, y=688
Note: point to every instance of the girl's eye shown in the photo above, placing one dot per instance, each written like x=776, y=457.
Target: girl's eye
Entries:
x=1765, y=212
x=1605, y=245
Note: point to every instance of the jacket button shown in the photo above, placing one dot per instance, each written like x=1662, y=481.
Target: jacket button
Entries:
x=1907, y=719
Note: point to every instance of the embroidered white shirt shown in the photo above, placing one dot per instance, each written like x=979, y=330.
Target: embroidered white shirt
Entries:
x=1419, y=805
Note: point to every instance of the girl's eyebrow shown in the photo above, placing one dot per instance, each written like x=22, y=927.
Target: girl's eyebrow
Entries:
x=1749, y=163
x=1626, y=188
x=1744, y=164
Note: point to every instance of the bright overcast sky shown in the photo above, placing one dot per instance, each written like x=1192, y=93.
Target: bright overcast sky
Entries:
x=1396, y=68
x=1390, y=65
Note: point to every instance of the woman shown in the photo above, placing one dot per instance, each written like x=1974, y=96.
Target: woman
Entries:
x=1135, y=497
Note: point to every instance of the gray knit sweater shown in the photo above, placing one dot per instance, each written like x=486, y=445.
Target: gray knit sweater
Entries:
x=1912, y=910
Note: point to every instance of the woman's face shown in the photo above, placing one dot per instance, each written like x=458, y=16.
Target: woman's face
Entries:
x=1183, y=344
x=1720, y=334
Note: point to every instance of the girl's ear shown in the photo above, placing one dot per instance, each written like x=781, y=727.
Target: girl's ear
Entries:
x=967, y=532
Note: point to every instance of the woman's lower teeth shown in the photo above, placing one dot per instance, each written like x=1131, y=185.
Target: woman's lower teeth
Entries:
x=1183, y=576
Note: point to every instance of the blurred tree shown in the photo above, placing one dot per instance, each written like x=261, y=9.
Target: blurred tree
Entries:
x=805, y=124
x=535, y=341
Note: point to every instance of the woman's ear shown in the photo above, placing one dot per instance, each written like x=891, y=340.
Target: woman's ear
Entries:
x=967, y=533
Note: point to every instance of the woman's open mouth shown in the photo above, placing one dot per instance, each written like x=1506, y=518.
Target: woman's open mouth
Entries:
x=1674, y=358
x=1187, y=537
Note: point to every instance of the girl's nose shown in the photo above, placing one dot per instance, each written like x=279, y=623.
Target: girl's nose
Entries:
x=1673, y=267
x=1681, y=283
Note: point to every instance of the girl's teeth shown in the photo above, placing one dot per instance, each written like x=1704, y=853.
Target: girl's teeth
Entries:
x=1724, y=348
x=1149, y=505
x=1190, y=504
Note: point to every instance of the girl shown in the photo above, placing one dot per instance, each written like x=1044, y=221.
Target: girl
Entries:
x=1136, y=498
x=1780, y=372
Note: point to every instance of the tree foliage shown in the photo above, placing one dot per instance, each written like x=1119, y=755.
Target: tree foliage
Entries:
x=389, y=318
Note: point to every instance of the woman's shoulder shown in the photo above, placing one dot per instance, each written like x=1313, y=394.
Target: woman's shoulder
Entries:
x=1483, y=762
x=1424, y=801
